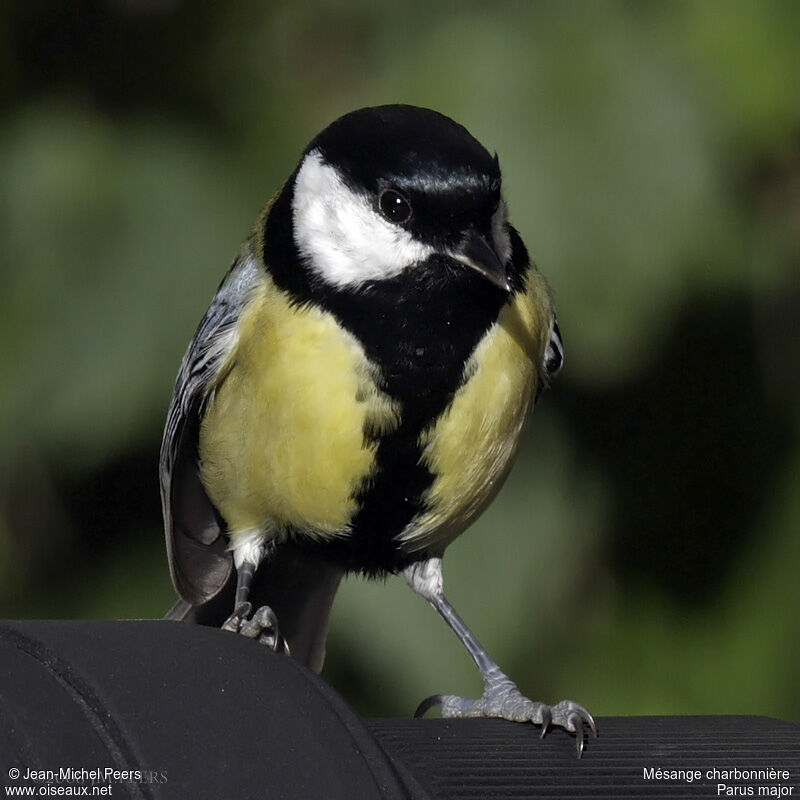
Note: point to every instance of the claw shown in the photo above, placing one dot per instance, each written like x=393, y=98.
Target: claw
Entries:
x=590, y=721
x=574, y=724
x=235, y=620
x=427, y=704
x=575, y=717
x=547, y=719
x=262, y=621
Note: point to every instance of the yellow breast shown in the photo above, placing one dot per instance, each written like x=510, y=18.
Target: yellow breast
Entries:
x=282, y=442
x=471, y=447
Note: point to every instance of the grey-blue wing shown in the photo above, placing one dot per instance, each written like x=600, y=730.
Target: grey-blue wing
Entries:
x=199, y=562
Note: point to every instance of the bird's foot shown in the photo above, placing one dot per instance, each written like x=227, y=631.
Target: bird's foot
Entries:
x=261, y=625
x=503, y=699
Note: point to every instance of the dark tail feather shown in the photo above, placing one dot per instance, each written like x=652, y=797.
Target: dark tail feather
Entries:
x=300, y=590
x=179, y=612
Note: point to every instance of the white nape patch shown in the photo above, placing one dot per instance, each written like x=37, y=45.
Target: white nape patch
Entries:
x=500, y=236
x=344, y=238
x=248, y=546
x=425, y=577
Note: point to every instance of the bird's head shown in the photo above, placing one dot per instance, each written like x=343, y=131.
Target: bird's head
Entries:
x=387, y=190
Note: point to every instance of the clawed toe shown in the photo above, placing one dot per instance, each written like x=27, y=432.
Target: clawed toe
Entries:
x=262, y=625
x=235, y=620
x=505, y=701
x=575, y=725
x=547, y=720
x=427, y=704
x=572, y=717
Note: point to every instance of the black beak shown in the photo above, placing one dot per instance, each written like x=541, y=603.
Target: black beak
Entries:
x=476, y=253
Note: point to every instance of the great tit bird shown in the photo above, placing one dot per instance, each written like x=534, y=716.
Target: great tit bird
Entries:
x=355, y=394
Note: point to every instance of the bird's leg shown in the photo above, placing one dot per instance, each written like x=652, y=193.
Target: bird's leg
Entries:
x=241, y=606
x=501, y=697
x=263, y=624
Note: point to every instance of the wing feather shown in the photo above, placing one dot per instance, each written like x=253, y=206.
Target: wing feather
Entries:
x=199, y=561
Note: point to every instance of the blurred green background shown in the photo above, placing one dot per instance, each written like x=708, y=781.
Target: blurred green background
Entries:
x=643, y=557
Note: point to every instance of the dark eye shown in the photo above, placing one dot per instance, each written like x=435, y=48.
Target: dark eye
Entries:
x=394, y=207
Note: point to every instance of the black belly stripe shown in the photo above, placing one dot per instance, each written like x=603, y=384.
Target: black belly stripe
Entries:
x=420, y=329
x=420, y=336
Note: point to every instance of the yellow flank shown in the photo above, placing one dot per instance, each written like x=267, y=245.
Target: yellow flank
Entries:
x=471, y=447
x=282, y=440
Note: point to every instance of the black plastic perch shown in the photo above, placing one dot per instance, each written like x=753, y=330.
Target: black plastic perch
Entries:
x=156, y=709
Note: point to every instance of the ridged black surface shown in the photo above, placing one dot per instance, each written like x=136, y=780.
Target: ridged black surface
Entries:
x=215, y=716
x=471, y=759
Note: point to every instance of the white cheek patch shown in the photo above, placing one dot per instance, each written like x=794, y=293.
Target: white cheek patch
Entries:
x=500, y=236
x=342, y=237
